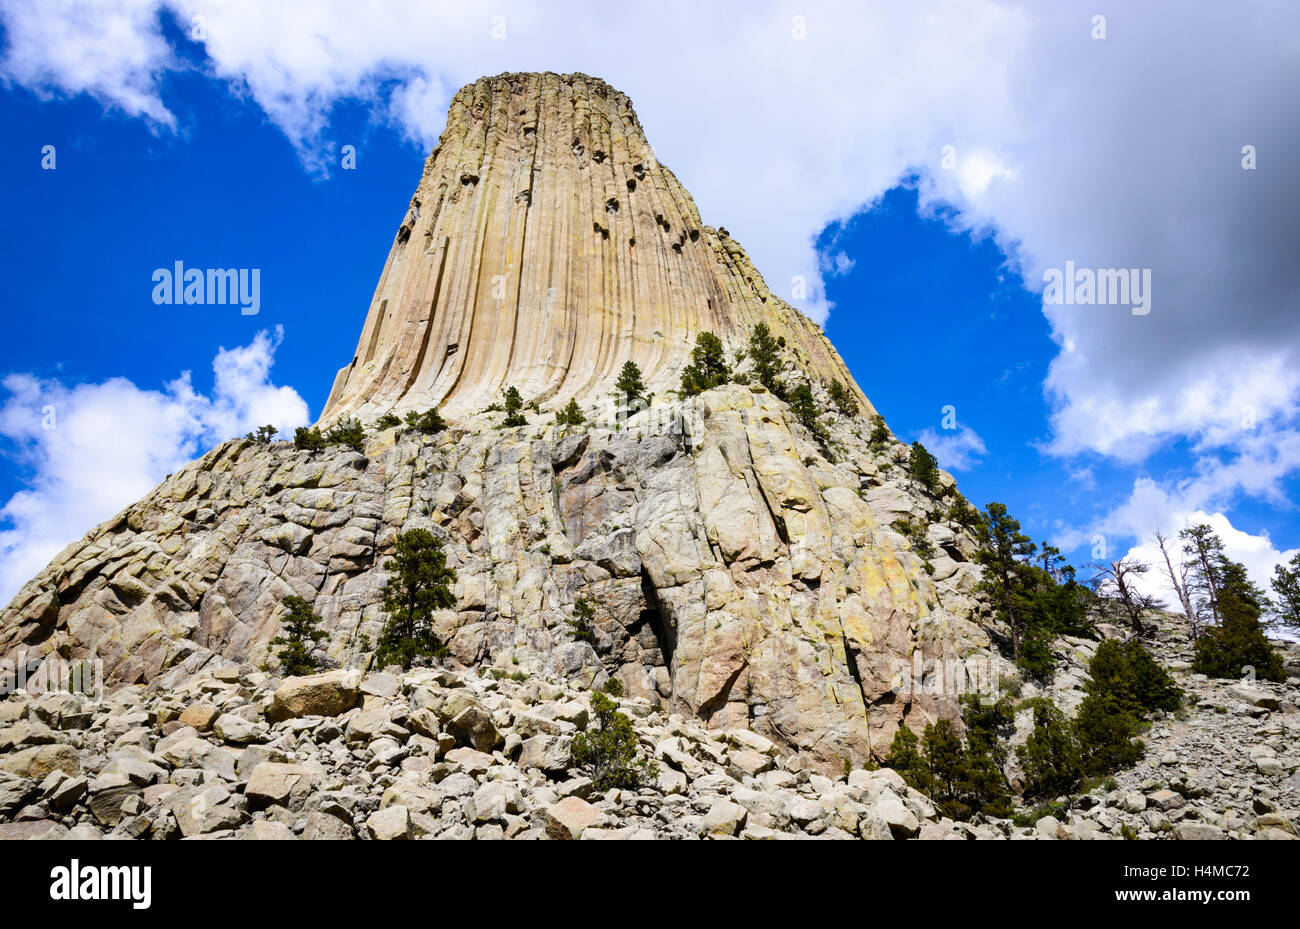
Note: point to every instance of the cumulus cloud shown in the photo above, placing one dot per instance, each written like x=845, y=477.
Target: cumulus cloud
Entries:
x=957, y=449
x=1206, y=495
x=112, y=51
x=1115, y=152
x=93, y=449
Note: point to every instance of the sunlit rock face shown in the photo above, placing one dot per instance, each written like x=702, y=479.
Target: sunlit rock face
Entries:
x=543, y=248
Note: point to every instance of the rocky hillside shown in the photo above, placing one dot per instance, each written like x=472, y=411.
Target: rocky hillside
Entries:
x=743, y=576
x=442, y=754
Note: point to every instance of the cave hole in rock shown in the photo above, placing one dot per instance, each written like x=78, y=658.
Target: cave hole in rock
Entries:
x=631, y=185
x=611, y=206
x=652, y=613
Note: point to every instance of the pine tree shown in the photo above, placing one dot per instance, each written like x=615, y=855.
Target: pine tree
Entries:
x=420, y=585
x=1203, y=561
x=514, y=409
x=263, y=435
x=946, y=758
x=1105, y=727
x=923, y=468
x=583, y=623
x=708, y=367
x=629, y=386
x=1003, y=552
x=1286, y=586
x=300, y=633
x=804, y=406
x=843, y=398
x=961, y=513
x=610, y=751
x=1237, y=646
x=765, y=355
x=905, y=757
x=387, y=421
x=1127, y=674
x=1116, y=587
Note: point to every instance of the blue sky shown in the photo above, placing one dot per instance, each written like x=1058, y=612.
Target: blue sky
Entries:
x=223, y=151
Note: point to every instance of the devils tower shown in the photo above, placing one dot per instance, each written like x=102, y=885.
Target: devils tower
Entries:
x=747, y=572
x=545, y=247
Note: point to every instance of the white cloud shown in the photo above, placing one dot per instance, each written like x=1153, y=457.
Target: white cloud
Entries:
x=1207, y=495
x=1116, y=153
x=112, y=51
x=957, y=449
x=112, y=442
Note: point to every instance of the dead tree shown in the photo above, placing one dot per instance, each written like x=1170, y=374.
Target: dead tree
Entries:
x=1115, y=584
x=1177, y=578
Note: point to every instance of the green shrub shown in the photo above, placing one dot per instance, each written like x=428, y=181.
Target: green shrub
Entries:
x=309, y=440
x=1105, y=727
x=905, y=757
x=1050, y=757
x=347, y=432
x=917, y=536
x=430, y=422
x=387, y=421
x=1037, y=660
x=1125, y=686
x=571, y=415
x=1129, y=673
x=962, y=778
x=300, y=634
x=881, y=438
x=609, y=750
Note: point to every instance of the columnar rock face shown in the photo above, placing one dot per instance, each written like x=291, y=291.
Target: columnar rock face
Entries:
x=544, y=247
x=746, y=573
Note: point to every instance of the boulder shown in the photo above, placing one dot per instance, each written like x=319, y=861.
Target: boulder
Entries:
x=568, y=818
x=329, y=694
